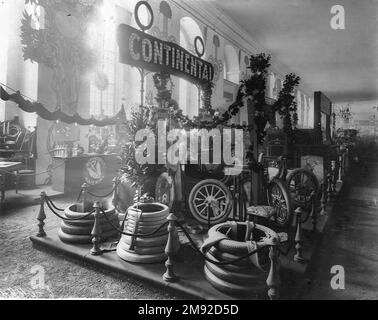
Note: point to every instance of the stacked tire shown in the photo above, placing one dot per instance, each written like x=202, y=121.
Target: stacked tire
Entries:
x=243, y=276
x=144, y=219
x=79, y=231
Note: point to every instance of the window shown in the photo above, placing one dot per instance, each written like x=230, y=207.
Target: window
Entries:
x=231, y=69
x=166, y=12
x=102, y=83
x=216, y=43
x=189, y=100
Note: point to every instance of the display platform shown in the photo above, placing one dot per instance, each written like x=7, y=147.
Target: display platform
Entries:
x=189, y=266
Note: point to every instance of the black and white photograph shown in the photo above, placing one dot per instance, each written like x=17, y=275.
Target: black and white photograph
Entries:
x=188, y=155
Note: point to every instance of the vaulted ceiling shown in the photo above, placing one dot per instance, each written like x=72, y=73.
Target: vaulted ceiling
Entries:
x=298, y=33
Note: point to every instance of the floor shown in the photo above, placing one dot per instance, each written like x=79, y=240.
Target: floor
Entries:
x=23, y=270
x=350, y=241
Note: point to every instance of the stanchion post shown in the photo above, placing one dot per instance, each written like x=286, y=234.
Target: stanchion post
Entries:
x=333, y=175
x=329, y=187
x=84, y=194
x=273, y=281
x=314, y=217
x=340, y=179
x=115, y=192
x=169, y=275
x=96, y=231
x=298, y=236
x=323, y=201
x=41, y=216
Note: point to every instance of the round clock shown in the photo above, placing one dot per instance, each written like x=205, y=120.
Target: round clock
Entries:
x=94, y=171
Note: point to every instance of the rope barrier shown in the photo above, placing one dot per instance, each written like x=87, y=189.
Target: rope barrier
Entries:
x=219, y=263
x=32, y=174
x=65, y=218
x=105, y=196
x=148, y=235
x=52, y=203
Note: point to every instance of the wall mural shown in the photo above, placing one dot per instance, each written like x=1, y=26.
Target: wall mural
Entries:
x=61, y=44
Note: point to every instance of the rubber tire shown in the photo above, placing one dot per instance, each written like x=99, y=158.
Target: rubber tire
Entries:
x=87, y=223
x=224, y=286
x=221, y=185
x=230, y=267
x=236, y=247
x=75, y=230
x=224, y=256
x=313, y=178
x=161, y=212
x=83, y=239
x=141, y=250
x=288, y=221
x=140, y=259
x=70, y=213
x=157, y=221
x=142, y=231
x=146, y=242
x=232, y=277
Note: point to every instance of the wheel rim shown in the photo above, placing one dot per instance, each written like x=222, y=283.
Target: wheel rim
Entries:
x=277, y=200
x=210, y=195
x=301, y=185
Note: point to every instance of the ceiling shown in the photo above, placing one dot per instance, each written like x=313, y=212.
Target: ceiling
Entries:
x=341, y=63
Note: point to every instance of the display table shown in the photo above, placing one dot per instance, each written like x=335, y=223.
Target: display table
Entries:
x=6, y=168
x=97, y=171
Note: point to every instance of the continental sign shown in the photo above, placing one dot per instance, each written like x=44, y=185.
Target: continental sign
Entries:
x=139, y=49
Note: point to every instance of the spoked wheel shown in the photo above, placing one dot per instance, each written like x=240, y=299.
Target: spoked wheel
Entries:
x=210, y=194
x=165, y=190
x=278, y=197
x=301, y=184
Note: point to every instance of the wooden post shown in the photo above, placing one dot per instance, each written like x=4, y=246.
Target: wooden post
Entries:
x=115, y=200
x=41, y=216
x=333, y=175
x=298, y=236
x=340, y=179
x=169, y=275
x=323, y=201
x=329, y=187
x=84, y=194
x=273, y=281
x=2, y=187
x=96, y=231
x=314, y=218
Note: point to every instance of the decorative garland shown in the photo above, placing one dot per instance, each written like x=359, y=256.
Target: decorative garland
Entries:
x=38, y=108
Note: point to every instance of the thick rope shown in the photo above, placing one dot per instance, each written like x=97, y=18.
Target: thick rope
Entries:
x=65, y=218
x=52, y=203
x=219, y=263
x=147, y=235
x=105, y=196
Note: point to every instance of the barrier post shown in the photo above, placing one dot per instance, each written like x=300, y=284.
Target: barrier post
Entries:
x=329, y=188
x=333, y=175
x=298, y=236
x=340, y=179
x=84, y=194
x=41, y=216
x=115, y=200
x=96, y=231
x=323, y=201
x=314, y=217
x=169, y=275
x=273, y=281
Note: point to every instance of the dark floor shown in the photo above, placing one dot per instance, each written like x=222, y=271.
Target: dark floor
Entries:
x=350, y=241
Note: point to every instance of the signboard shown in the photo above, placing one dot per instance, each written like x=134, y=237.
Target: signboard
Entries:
x=139, y=49
x=94, y=171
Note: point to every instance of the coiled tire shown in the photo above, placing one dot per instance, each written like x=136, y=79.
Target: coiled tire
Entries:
x=84, y=239
x=142, y=250
x=137, y=258
x=84, y=230
x=225, y=286
x=232, y=277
